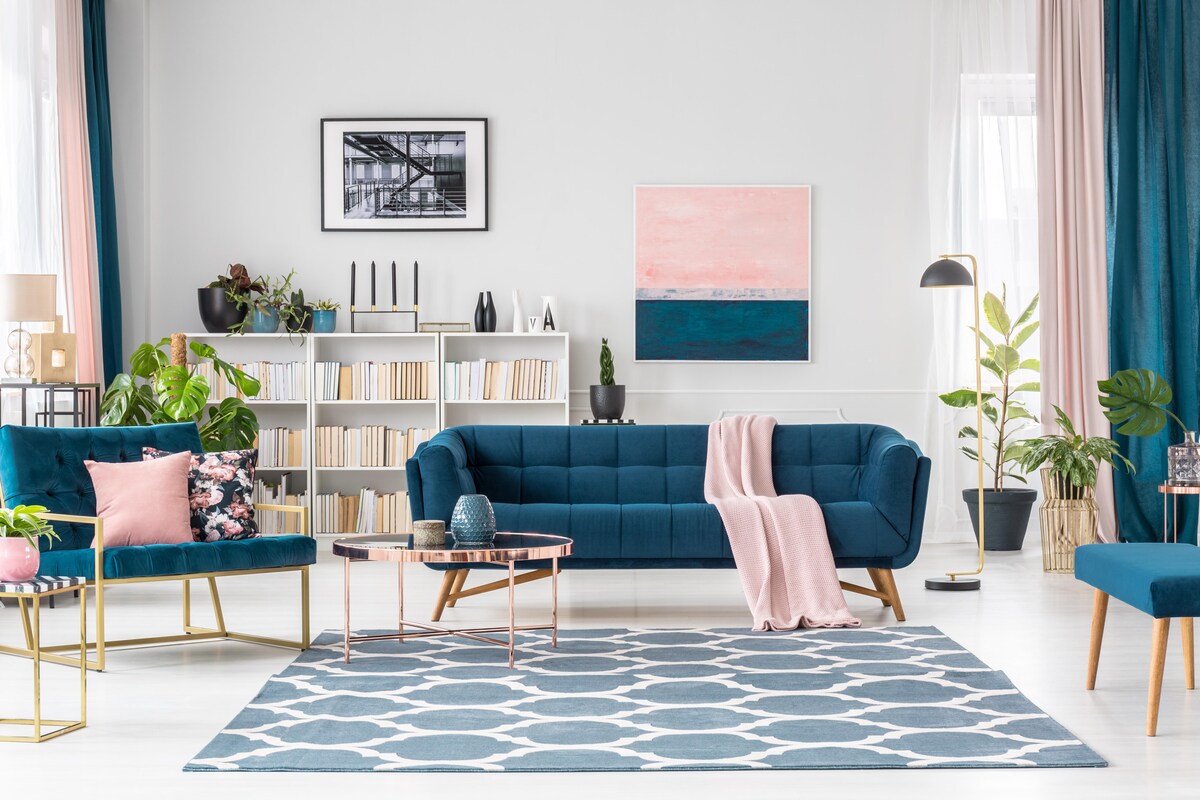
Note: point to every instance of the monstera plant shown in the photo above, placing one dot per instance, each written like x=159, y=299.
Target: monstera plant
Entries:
x=1136, y=401
x=157, y=391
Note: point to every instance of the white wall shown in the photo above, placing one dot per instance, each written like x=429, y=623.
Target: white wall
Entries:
x=222, y=100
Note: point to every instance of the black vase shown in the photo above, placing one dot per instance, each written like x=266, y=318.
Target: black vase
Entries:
x=485, y=314
x=608, y=402
x=1005, y=516
x=217, y=312
x=305, y=323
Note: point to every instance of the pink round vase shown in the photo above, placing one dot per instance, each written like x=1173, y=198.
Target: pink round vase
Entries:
x=18, y=561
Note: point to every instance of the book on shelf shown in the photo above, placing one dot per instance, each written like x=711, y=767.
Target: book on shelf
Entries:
x=280, y=447
x=370, y=380
x=367, y=511
x=518, y=379
x=278, y=493
x=367, y=445
x=278, y=380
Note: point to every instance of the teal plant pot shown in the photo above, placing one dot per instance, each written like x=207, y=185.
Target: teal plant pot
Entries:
x=473, y=520
x=265, y=320
x=324, y=321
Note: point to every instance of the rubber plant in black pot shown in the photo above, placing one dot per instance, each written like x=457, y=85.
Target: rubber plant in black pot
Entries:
x=1006, y=508
x=608, y=397
x=225, y=301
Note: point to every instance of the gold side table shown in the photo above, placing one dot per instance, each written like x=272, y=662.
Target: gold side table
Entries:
x=28, y=595
x=1171, y=531
x=507, y=549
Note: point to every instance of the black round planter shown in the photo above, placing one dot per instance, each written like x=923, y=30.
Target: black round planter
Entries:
x=217, y=312
x=1006, y=515
x=608, y=402
x=306, y=322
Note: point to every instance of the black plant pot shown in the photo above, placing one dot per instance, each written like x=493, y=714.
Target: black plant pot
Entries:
x=1006, y=515
x=305, y=323
x=608, y=402
x=217, y=312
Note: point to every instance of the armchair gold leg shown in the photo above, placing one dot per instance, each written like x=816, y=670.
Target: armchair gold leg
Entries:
x=216, y=604
x=305, y=637
x=187, y=605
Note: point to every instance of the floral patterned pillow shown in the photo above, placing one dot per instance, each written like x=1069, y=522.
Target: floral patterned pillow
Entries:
x=219, y=487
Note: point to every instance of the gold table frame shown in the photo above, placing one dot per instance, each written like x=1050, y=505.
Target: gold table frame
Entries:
x=508, y=549
x=32, y=626
x=1171, y=532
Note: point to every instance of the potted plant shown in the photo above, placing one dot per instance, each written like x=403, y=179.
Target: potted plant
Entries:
x=1136, y=400
x=607, y=397
x=224, y=302
x=1068, y=487
x=325, y=316
x=155, y=390
x=299, y=318
x=20, y=530
x=270, y=305
x=1006, y=510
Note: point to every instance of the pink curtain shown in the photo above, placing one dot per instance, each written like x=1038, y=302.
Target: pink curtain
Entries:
x=80, y=265
x=1072, y=258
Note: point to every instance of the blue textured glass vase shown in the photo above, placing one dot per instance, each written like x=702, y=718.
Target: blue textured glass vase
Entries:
x=473, y=521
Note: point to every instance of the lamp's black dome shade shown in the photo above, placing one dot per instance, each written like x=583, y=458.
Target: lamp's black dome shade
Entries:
x=945, y=272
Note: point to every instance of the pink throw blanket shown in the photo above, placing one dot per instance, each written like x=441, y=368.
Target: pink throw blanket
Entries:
x=779, y=543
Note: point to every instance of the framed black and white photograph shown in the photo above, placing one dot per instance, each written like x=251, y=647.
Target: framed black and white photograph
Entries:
x=404, y=175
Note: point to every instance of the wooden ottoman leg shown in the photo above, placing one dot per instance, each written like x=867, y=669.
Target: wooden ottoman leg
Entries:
x=1158, y=659
x=1189, y=652
x=1099, y=612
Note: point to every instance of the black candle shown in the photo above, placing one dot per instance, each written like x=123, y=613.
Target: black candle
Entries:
x=416, y=271
x=372, y=285
x=393, y=286
x=353, y=271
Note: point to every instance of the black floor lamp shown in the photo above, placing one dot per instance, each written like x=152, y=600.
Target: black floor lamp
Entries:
x=946, y=273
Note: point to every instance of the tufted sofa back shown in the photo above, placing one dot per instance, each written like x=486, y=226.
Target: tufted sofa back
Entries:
x=44, y=466
x=654, y=463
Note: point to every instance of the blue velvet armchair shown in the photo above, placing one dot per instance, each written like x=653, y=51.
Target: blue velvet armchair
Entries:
x=44, y=466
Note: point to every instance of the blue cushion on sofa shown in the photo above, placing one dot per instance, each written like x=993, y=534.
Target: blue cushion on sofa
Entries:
x=144, y=561
x=1161, y=579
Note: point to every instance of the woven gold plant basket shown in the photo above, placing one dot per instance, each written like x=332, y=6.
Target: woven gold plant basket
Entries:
x=1068, y=519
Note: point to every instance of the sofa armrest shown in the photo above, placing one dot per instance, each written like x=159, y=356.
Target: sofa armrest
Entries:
x=97, y=524
x=438, y=474
x=301, y=510
x=889, y=479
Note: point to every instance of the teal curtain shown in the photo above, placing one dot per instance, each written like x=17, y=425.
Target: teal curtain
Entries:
x=1152, y=130
x=95, y=60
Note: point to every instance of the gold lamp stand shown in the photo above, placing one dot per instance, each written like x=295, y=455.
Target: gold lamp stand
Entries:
x=947, y=273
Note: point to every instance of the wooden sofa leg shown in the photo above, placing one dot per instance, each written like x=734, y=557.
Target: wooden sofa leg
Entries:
x=460, y=578
x=1158, y=659
x=879, y=585
x=1189, y=652
x=1099, y=613
x=889, y=588
x=439, y=604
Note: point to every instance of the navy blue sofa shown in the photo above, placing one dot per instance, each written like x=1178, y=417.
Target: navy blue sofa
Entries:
x=633, y=496
x=44, y=466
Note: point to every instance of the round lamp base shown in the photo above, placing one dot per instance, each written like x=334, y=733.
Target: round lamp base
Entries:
x=946, y=584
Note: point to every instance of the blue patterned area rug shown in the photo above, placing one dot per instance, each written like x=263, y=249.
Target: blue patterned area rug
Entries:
x=618, y=700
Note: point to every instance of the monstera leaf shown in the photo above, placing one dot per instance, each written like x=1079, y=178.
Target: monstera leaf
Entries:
x=181, y=392
x=1136, y=400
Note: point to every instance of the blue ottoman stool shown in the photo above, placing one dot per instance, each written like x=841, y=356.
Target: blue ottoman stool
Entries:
x=1161, y=579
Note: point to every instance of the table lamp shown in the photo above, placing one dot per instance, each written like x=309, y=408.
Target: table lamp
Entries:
x=25, y=298
x=946, y=273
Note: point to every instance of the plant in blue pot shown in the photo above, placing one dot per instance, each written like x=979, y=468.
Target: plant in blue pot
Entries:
x=473, y=520
x=325, y=316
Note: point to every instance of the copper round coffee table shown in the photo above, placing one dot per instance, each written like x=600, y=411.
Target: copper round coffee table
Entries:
x=508, y=548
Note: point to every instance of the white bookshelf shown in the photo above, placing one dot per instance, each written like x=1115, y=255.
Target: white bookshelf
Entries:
x=435, y=413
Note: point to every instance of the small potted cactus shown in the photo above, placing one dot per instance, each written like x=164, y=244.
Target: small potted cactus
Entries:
x=608, y=397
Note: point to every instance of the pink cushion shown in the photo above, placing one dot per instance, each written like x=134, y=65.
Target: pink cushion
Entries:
x=143, y=502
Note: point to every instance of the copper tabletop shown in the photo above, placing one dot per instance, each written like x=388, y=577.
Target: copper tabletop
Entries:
x=506, y=547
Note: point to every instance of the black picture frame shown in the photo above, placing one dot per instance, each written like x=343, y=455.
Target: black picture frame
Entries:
x=446, y=207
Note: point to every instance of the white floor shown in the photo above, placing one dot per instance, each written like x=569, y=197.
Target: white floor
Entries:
x=156, y=707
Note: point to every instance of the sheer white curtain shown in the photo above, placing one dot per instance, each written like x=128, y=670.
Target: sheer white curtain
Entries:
x=982, y=200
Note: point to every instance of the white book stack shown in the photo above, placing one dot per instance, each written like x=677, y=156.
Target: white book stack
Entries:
x=281, y=447
x=278, y=380
x=368, y=511
x=367, y=445
x=277, y=493
x=518, y=379
x=376, y=381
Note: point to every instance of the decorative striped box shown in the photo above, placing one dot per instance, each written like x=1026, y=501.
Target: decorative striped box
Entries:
x=41, y=584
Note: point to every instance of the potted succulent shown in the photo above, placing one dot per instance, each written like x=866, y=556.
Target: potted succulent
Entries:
x=607, y=397
x=300, y=314
x=270, y=305
x=20, y=530
x=225, y=301
x=325, y=316
x=1069, y=487
x=1006, y=509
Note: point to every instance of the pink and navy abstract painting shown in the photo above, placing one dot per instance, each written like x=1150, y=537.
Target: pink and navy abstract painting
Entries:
x=723, y=273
